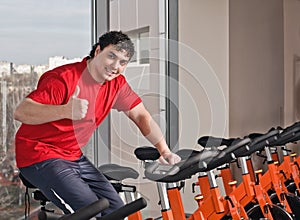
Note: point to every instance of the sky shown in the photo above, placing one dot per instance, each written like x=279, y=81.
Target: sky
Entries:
x=31, y=31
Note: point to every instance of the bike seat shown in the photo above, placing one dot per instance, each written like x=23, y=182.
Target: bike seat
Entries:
x=146, y=153
x=26, y=182
x=117, y=172
x=37, y=194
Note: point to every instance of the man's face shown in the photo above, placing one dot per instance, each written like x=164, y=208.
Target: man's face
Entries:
x=108, y=63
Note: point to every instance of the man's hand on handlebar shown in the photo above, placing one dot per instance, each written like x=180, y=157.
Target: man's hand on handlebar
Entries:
x=169, y=158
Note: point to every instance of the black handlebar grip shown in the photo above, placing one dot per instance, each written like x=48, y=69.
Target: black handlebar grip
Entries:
x=89, y=211
x=44, y=215
x=211, y=141
x=126, y=210
x=84, y=213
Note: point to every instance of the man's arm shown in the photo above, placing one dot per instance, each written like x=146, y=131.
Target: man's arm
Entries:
x=149, y=128
x=32, y=112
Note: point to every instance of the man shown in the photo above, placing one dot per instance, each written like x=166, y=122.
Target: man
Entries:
x=59, y=117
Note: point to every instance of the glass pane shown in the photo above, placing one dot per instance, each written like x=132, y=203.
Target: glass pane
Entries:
x=146, y=26
x=35, y=36
x=134, y=41
x=144, y=47
x=140, y=39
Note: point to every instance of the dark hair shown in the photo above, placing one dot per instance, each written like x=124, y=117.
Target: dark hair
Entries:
x=120, y=40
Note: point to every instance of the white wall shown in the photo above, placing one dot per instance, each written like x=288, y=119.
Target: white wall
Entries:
x=256, y=66
x=291, y=48
x=203, y=74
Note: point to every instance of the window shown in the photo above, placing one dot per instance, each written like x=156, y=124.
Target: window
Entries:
x=140, y=38
x=35, y=36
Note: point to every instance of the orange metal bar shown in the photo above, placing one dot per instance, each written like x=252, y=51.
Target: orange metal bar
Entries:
x=237, y=211
x=225, y=173
x=176, y=203
x=167, y=215
x=250, y=169
x=295, y=171
x=285, y=166
x=135, y=216
x=207, y=209
x=298, y=160
x=215, y=206
x=262, y=197
x=199, y=199
x=217, y=201
x=275, y=156
x=197, y=216
x=204, y=186
x=271, y=180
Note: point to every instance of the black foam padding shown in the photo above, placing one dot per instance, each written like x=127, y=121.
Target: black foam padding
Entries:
x=117, y=172
x=146, y=153
x=211, y=141
x=84, y=213
x=126, y=210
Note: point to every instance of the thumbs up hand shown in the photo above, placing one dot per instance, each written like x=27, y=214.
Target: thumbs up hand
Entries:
x=77, y=107
x=77, y=91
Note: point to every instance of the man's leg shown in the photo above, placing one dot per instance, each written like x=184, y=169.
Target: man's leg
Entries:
x=61, y=183
x=100, y=185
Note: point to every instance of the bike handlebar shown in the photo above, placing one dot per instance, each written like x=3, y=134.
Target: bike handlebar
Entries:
x=93, y=209
x=284, y=136
x=210, y=158
x=126, y=210
x=289, y=134
x=258, y=143
x=84, y=213
x=199, y=162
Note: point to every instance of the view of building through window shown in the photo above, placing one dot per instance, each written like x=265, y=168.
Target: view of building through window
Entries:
x=140, y=38
x=35, y=36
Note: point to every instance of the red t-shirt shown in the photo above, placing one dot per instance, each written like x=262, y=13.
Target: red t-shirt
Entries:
x=64, y=138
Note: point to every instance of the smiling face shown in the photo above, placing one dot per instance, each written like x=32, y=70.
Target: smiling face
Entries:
x=108, y=63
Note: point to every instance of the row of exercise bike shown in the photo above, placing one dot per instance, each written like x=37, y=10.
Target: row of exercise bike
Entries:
x=272, y=194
